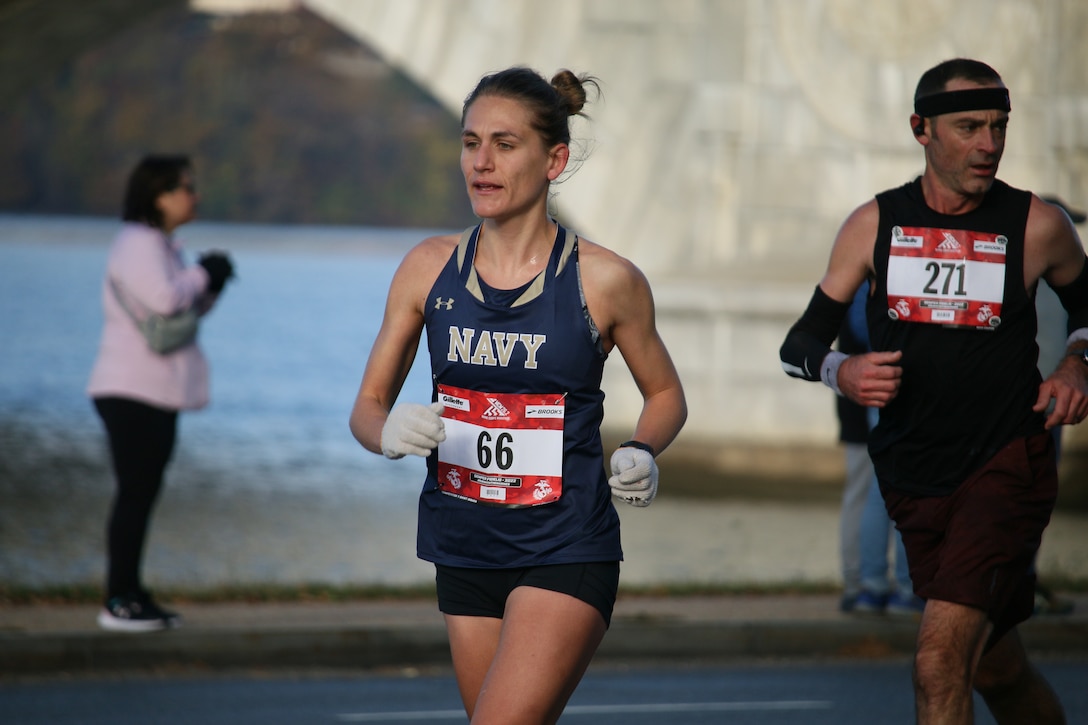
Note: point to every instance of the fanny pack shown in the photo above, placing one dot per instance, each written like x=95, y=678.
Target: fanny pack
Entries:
x=164, y=333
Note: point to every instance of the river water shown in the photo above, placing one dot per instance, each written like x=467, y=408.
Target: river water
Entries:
x=286, y=344
x=267, y=485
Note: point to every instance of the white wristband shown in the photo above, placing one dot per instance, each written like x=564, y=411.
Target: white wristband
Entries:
x=829, y=369
x=1078, y=335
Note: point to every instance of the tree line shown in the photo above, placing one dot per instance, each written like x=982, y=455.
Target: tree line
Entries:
x=287, y=119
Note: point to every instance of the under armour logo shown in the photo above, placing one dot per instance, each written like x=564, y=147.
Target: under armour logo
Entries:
x=440, y=303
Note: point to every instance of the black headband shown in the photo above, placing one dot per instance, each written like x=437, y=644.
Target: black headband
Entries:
x=975, y=99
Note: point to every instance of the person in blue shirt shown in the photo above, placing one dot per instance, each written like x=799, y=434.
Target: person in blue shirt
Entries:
x=882, y=584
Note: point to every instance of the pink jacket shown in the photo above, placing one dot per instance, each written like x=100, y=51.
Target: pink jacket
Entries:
x=148, y=268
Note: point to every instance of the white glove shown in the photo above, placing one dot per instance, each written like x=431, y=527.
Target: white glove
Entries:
x=634, y=476
x=413, y=428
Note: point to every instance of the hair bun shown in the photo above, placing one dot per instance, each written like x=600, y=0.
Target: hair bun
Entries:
x=571, y=90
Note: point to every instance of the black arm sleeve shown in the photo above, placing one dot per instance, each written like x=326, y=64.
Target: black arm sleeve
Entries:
x=853, y=418
x=809, y=340
x=1074, y=298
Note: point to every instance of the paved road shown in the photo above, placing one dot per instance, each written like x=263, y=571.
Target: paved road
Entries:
x=761, y=693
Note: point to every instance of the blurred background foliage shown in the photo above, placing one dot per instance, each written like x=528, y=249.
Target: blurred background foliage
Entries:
x=287, y=118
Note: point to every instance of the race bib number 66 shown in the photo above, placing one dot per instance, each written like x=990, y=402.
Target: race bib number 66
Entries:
x=946, y=276
x=502, y=449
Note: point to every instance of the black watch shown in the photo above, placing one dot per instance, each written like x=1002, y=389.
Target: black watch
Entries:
x=1081, y=355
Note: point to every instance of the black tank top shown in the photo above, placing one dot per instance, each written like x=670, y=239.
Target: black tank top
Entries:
x=967, y=390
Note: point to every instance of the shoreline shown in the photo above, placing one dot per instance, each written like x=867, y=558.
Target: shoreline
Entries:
x=688, y=470
x=336, y=531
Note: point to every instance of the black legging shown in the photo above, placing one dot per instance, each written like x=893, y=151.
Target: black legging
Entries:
x=141, y=440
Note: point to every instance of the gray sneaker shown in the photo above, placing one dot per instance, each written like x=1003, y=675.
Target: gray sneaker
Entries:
x=136, y=614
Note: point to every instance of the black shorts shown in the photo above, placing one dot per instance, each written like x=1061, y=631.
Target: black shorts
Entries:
x=483, y=592
x=977, y=546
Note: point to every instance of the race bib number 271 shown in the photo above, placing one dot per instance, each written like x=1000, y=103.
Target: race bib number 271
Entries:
x=946, y=276
x=503, y=449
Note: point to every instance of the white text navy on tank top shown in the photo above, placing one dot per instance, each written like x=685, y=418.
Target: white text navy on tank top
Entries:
x=537, y=339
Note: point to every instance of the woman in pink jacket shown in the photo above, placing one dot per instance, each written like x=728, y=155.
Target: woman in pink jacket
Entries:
x=137, y=391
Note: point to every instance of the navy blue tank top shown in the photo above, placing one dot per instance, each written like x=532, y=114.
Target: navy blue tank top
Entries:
x=478, y=341
x=966, y=391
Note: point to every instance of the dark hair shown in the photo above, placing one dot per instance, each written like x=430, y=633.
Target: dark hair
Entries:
x=550, y=104
x=154, y=175
x=936, y=79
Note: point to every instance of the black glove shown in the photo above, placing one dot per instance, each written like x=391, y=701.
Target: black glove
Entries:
x=219, y=269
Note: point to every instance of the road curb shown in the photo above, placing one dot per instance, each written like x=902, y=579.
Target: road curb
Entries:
x=102, y=652
x=420, y=646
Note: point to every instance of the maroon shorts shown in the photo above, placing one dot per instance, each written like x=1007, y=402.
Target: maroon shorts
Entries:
x=977, y=546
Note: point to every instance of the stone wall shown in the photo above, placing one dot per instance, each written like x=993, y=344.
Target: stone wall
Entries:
x=733, y=138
